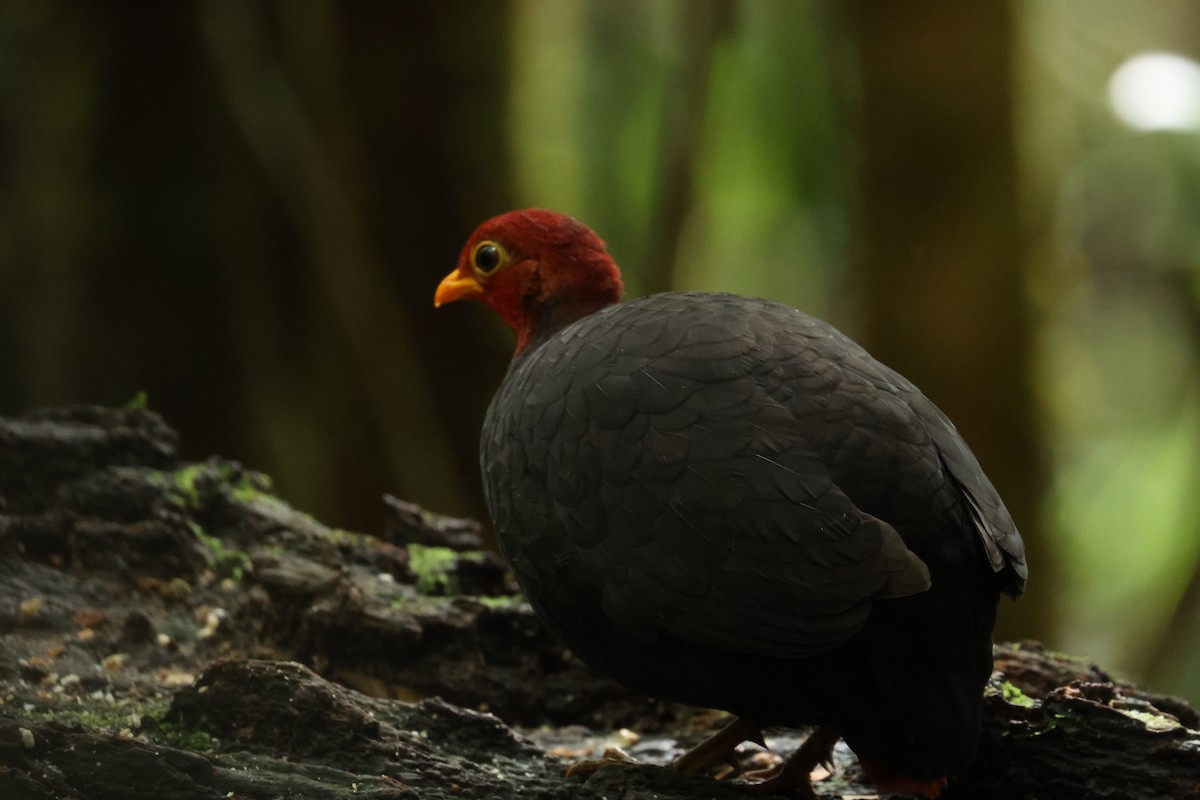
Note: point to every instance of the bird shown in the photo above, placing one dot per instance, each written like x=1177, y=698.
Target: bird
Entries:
x=725, y=502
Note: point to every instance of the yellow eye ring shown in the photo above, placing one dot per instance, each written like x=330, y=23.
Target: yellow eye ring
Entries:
x=487, y=257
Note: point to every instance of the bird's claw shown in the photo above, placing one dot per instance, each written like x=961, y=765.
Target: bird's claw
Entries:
x=795, y=775
x=719, y=747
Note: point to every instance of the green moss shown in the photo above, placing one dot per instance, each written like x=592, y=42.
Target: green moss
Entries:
x=182, y=738
x=185, y=485
x=1015, y=697
x=246, y=492
x=140, y=402
x=343, y=536
x=250, y=487
x=111, y=716
x=179, y=589
x=434, y=569
x=194, y=482
x=502, y=601
x=428, y=518
x=226, y=561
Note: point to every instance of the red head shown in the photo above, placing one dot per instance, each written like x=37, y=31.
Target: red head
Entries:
x=539, y=270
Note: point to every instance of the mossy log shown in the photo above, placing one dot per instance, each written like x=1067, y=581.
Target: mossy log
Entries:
x=173, y=630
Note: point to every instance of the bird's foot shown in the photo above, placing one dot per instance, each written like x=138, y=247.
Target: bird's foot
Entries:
x=719, y=747
x=612, y=755
x=794, y=776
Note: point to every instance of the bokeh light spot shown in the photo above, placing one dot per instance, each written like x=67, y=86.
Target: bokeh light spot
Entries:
x=1157, y=91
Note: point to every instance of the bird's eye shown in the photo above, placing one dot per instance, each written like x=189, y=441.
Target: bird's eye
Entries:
x=486, y=257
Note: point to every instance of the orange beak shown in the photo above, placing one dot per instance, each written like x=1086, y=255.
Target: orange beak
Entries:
x=457, y=286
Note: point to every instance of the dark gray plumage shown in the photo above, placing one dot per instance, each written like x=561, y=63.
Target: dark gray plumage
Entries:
x=726, y=502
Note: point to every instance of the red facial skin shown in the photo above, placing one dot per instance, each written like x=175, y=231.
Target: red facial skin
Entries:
x=554, y=270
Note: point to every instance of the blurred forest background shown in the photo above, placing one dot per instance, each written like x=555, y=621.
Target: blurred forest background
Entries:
x=243, y=209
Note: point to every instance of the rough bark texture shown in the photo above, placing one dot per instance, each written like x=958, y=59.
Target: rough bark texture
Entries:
x=153, y=614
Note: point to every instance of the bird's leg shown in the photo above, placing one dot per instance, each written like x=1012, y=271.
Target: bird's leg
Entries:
x=718, y=747
x=793, y=776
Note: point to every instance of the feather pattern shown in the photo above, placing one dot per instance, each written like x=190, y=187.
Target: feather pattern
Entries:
x=724, y=468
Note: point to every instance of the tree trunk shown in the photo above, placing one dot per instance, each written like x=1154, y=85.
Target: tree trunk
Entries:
x=941, y=264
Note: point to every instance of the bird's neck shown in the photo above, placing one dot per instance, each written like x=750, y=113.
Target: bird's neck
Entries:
x=550, y=316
